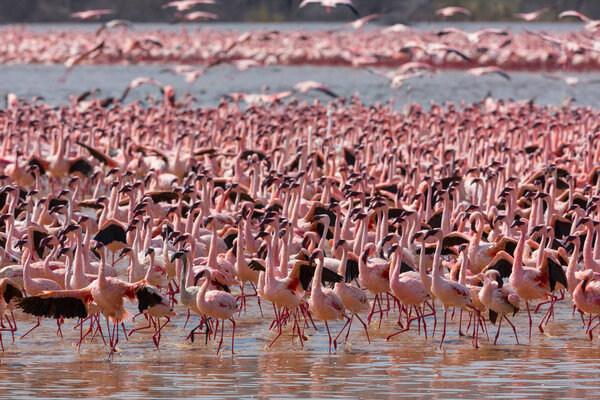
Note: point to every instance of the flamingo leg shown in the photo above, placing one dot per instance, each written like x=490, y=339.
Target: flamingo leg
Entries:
x=141, y=327
x=372, y=309
x=13, y=328
x=530, y=320
x=364, y=326
x=499, y=326
x=444, y=331
x=590, y=330
x=348, y=321
x=513, y=328
x=460, y=333
x=39, y=320
x=187, y=318
x=329, y=334
x=59, y=322
x=422, y=311
x=349, y=327
x=157, y=336
x=222, y=332
x=193, y=331
x=233, y=334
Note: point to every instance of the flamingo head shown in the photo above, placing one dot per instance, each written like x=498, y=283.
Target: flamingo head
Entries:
x=181, y=254
x=316, y=254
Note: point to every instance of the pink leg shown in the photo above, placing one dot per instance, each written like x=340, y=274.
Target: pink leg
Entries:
x=530, y=320
x=372, y=309
x=141, y=328
x=39, y=320
x=222, y=331
x=187, y=318
x=124, y=331
x=348, y=321
x=513, y=328
x=329, y=334
x=499, y=326
x=233, y=334
x=444, y=331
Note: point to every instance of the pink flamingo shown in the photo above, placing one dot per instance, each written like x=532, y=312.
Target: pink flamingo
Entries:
x=216, y=304
x=324, y=303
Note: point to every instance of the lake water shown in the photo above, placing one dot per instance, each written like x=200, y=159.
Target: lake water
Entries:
x=29, y=81
x=563, y=363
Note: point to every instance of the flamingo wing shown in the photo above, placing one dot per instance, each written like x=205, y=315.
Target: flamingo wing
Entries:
x=53, y=307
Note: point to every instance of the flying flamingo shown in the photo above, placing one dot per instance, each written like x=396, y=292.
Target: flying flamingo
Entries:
x=306, y=86
x=329, y=4
x=90, y=14
x=451, y=11
x=359, y=23
x=196, y=16
x=532, y=16
x=185, y=5
x=480, y=71
x=591, y=25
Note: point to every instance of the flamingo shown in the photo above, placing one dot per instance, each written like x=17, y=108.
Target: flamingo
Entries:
x=446, y=12
x=329, y=4
x=499, y=299
x=450, y=293
x=216, y=304
x=90, y=14
x=324, y=303
x=106, y=292
x=532, y=16
x=355, y=299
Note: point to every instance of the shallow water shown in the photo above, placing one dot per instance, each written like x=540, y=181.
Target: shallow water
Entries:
x=562, y=363
x=29, y=81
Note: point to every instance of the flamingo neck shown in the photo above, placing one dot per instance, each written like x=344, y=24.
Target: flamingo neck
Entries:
x=316, y=281
x=343, y=262
x=212, y=251
x=518, y=260
x=150, y=267
x=437, y=261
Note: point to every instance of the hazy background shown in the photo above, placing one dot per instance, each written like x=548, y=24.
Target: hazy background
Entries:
x=286, y=10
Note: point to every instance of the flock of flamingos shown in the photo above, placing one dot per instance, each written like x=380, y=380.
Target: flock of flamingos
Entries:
x=319, y=215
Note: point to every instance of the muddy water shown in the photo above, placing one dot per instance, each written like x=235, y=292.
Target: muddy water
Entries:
x=562, y=363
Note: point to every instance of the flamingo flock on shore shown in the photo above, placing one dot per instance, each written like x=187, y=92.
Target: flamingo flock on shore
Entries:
x=332, y=213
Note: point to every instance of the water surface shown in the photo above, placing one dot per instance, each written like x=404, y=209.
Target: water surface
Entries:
x=563, y=363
